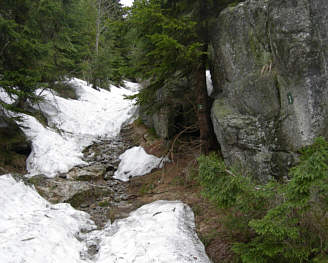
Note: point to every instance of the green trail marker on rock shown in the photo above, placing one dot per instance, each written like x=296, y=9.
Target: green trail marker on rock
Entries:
x=290, y=98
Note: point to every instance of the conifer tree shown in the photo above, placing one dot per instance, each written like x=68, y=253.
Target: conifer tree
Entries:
x=40, y=42
x=173, y=39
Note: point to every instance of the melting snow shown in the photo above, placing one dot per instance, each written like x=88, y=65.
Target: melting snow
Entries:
x=136, y=162
x=209, y=83
x=75, y=124
x=35, y=231
x=162, y=232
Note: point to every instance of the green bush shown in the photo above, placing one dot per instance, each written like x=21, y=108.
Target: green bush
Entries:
x=274, y=222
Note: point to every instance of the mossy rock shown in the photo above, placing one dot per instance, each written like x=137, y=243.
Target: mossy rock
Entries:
x=14, y=147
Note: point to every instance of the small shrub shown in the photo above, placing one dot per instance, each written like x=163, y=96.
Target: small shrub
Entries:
x=274, y=222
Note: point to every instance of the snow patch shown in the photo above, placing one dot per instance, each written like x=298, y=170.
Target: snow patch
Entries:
x=4, y=96
x=132, y=86
x=136, y=162
x=162, y=232
x=51, y=152
x=209, y=83
x=33, y=230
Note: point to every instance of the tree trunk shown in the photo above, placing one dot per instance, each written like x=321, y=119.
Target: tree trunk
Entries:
x=207, y=137
x=98, y=26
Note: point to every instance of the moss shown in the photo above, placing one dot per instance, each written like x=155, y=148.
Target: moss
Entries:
x=152, y=133
x=221, y=109
x=232, y=5
x=139, y=122
x=146, y=189
x=89, y=195
x=104, y=203
x=261, y=56
x=14, y=148
x=36, y=180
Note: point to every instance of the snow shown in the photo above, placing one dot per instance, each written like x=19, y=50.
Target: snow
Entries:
x=132, y=86
x=75, y=124
x=35, y=231
x=49, y=150
x=209, y=83
x=5, y=97
x=95, y=113
x=161, y=232
x=127, y=2
x=136, y=162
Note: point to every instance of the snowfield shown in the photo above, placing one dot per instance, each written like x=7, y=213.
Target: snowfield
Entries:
x=34, y=231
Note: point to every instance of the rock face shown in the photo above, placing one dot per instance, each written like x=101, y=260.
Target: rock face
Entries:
x=172, y=110
x=269, y=62
x=12, y=138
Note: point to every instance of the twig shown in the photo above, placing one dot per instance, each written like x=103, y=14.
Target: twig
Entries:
x=229, y=172
x=176, y=138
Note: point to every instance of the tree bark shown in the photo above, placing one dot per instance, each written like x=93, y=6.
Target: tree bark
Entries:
x=98, y=26
x=207, y=137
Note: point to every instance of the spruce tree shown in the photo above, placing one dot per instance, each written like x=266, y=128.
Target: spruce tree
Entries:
x=40, y=42
x=172, y=36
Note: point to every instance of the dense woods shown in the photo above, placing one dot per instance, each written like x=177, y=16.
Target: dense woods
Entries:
x=163, y=43
x=46, y=41
x=101, y=42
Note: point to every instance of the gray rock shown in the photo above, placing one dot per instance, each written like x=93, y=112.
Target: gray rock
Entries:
x=298, y=33
x=3, y=122
x=58, y=190
x=269, y=63
x=171, y=109
x=12, y=138
x=87, y=173
x=108, y=175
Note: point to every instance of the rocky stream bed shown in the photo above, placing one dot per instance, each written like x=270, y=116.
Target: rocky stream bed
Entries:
x=92, y=188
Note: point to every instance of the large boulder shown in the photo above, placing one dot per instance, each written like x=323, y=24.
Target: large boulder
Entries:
x=269, y=60
x=171, y=110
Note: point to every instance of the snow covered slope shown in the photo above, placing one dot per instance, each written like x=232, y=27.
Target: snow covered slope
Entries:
x=75, y=124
